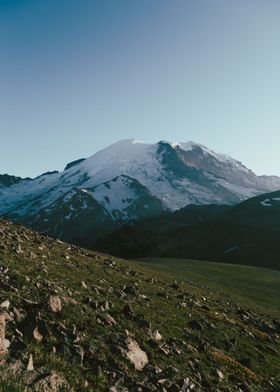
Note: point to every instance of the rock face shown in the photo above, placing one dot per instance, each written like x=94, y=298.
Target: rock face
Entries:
x=223, y=166
x=124, y=183
x=136, y=355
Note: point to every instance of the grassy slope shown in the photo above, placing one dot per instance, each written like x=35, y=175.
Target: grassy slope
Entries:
x=198, y=325
x=257, y=287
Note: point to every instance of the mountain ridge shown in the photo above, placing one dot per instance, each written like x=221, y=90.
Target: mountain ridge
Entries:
x=246, y=233
x=151, y=179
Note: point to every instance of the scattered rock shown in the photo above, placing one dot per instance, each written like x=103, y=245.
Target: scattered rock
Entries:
x=84, y=285
x=30, y=366
x=156, y=336
x=100, y=347
x=5, y=304
x=3, y=340
x=53, y=382
x=105, y=306
x=69, y=300
x=118, y=389
x=220, y=374
x=108, y=319
x=37, y=335
x=55, y=304
x=136, y=355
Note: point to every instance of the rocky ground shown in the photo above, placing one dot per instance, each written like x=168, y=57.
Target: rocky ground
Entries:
x=72, y=320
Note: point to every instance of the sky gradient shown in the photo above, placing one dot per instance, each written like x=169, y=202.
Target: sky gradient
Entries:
x=76, y=76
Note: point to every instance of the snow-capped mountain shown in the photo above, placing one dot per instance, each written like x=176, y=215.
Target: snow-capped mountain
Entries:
x=128, y=181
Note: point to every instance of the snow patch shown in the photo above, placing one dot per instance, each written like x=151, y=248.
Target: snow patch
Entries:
x=230, y=249
x=266, y=203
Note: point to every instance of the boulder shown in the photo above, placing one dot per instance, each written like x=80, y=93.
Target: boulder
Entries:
x=55, y=304
x=136, y=355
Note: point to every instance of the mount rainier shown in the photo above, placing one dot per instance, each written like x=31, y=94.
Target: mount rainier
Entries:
x=127, y=182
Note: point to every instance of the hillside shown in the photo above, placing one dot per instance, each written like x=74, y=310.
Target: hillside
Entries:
x=154, y=236
x=247, y=233
x=77, y=320
x=258, y=288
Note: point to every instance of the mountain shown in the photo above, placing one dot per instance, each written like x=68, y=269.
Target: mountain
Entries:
x=127, y=182
x=247, y=233
x=73, y=320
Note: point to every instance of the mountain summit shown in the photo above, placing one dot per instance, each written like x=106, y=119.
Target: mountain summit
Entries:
x=126, y=182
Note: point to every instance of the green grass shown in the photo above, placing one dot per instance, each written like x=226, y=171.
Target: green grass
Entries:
x=9, y=386
x=257, y=287
x=196, y=324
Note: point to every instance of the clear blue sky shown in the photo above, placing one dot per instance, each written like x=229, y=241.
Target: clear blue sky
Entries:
x=76, y=76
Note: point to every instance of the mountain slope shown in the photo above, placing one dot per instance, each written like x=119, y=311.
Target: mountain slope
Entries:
x=151, y=237
x=223, y=166
x=78, y=321
x=127, y=182
x=247, y=233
